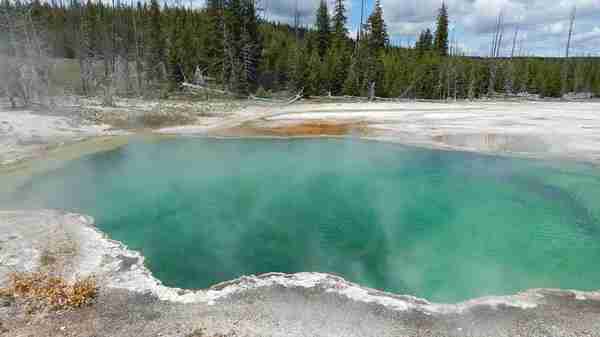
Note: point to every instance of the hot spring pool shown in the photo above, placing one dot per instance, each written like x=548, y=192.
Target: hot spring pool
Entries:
x=446, y=226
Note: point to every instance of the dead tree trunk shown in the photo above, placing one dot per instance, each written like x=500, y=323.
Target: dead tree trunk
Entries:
x=566, y=64
x=27, y=73
x=514, y=43
x=571, y=27
x=139, y=67
x=108, y=95
x=492, y=80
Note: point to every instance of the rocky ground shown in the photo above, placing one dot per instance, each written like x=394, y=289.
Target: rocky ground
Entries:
x=132, y=303
x=25, y=133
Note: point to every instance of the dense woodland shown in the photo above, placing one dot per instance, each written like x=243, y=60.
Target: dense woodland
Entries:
x=149, y=48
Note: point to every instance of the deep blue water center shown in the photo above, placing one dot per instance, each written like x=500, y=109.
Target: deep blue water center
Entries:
x=446, y=226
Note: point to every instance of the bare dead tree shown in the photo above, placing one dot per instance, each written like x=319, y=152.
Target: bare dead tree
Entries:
x=498, y=32
x=492, y=78
x=362, y=20
x=297, y=21
x=525, y=79
x=514, y=43
x=566, y=64
x=571, y=27
x=372, y=91
x=85, y=54
x=500, y=40
x=472, y=84
x=108, y=91
x=28, y=70
x=138, y=52
x=495, y=52
x=509, y=79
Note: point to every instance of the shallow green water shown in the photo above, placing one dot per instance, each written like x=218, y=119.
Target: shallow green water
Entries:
x=446, y=226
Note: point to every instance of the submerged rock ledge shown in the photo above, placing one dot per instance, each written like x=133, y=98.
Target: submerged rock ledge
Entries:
x=25, y=236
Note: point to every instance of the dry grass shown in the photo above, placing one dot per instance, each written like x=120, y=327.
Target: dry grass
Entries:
x=51, y=291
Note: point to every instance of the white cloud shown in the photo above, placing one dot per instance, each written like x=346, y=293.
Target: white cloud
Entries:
x=543, y=24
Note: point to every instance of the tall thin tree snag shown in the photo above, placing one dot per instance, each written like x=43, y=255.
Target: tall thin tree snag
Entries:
x=514, y=43
x=85, y=52
x=495, y=53
x=571, y=27
x=27, y=68
x=566, y=64
x=138, y=55
x=362, y=21
x=297, y=21
x=498, y=33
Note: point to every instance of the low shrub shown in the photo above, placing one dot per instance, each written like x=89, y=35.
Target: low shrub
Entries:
x=262, y=93
x=51, y=291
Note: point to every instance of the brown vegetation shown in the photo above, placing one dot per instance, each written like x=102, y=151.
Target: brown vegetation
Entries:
x=51, y=291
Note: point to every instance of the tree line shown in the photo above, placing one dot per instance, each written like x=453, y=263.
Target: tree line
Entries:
x=146, y=48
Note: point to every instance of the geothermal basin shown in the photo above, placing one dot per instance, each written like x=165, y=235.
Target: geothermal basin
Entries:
x=442, y=225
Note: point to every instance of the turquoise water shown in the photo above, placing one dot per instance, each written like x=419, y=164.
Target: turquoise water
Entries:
x=446, y=226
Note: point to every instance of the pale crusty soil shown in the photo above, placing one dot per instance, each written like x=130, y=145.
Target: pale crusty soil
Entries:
x=554, y=129
x=132, y=303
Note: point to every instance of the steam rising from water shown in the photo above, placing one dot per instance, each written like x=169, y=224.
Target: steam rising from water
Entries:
x=442, y=225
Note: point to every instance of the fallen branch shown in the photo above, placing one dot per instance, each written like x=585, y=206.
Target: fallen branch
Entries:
x=341, y=98
x=291, y=100
x=346, y=97
x=199, y=87
x=386, y=99
x=298, y=96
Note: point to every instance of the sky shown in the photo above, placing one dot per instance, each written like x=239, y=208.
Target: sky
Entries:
x=542, y=25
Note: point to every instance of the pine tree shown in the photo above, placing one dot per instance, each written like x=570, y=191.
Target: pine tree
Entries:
x=298, y=67
x=213, y=43
x=441, y=33
x=313, y=82
x=425, y=42
x=177, y=49
x=155, y=62
x=376, y=29
x=323, y=29
x=242, y=46
x=339, y=22
x=339, y=61
x=228, y=43
x=328, y=68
